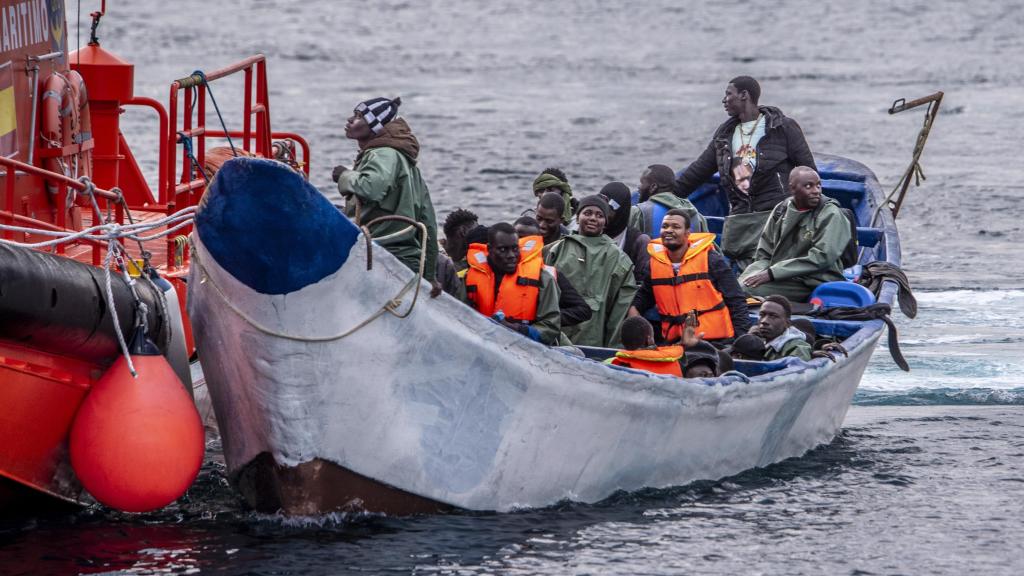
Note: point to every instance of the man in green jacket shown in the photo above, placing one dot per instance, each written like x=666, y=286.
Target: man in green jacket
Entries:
x=657, y=196
x=801, y=244
x=774, y=325
x=601, y=273
x=385, y=181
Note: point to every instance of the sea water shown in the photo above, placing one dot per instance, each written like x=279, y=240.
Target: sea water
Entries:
x=926, y=476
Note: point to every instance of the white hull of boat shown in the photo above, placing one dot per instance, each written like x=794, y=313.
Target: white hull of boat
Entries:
x=449, y=406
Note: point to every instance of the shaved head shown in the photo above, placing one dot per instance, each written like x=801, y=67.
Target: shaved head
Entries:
x=805, y=186
x=798, y=173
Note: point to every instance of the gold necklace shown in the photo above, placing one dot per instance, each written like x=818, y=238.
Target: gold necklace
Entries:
x=750, y=135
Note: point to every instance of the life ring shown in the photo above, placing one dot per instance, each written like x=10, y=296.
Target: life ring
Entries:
x=82, y=132
x=56, y=106
x=66, y=121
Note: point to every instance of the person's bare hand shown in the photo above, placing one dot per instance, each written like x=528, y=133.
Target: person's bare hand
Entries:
x=690, y=336
x=756, y=280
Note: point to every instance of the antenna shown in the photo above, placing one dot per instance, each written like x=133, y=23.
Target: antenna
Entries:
x=93, y=39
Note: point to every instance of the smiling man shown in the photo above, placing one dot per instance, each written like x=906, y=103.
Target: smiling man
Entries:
x=687, y=275
x=802, y=243
x=601, y=272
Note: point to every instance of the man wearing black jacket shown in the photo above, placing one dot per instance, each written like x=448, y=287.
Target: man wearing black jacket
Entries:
x=677, y=290
x=761, y=137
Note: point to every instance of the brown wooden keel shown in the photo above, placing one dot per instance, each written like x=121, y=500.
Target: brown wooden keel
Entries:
x=320, y=486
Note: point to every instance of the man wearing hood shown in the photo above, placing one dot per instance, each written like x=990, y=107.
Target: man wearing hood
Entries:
x=658, y=196
x=601, y=272
x=554, y=180
x=764, y=139
x=385, y=181
x=775, y=327
x=630, y=240
x=802, y=244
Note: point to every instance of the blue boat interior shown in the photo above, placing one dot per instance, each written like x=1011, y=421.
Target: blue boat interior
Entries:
x=854, y=187
x=844, y=180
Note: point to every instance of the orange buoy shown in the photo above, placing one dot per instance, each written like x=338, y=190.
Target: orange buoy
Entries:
x=137, y=442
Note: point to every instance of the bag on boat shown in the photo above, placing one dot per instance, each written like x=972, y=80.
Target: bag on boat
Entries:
x=741, y=233
x=878, y=311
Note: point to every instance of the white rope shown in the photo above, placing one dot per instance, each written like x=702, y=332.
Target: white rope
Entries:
x=112, y=233
x=112, y=249
x=104, y=232
x=391, y=306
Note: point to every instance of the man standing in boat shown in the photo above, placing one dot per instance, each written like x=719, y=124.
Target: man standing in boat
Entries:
x=802, y=244
x=508, y=282
x=687, y=276
x=764, y=139
x=385, y=181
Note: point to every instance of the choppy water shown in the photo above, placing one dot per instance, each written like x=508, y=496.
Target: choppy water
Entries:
x=926, y=478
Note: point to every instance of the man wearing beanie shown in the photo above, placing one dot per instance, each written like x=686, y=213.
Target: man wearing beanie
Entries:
x=385, y=181
x=657, y=197
x=554, y=180
x=601, y=272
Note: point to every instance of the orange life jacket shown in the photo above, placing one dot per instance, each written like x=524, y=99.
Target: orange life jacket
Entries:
x=517, y=295
x=663, y=360
x=691, y=289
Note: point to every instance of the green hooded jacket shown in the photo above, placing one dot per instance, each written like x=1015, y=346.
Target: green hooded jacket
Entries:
x=387, y=181
x=640, y=215
x=802, y=245
x=792, y=342
x=603, y=275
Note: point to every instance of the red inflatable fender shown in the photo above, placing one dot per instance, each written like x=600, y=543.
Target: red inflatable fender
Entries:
x=137, y=443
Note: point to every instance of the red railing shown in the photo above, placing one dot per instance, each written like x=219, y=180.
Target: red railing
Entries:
x=175, y=191
x=104, y=199
x=256, y=136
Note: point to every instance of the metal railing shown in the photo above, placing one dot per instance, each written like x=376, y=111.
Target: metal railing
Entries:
x=110, y=200
x=181, y=121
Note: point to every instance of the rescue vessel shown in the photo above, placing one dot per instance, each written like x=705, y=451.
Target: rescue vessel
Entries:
x=338, y=386
x=94, y=260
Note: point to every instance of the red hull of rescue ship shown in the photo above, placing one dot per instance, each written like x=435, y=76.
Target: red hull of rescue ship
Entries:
x=66, y=166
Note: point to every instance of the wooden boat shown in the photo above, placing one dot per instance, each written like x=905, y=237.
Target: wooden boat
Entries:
x=65, y=167
x=335, y=388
